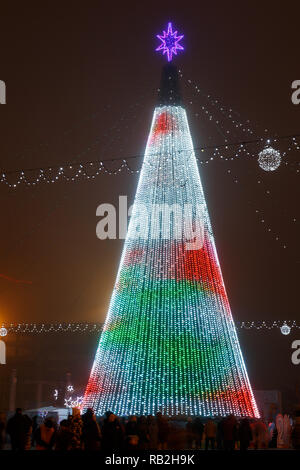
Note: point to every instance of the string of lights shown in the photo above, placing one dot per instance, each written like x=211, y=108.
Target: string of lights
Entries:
x=269, y=159
x=229, y=114
x=130, y=114
x=97, y=327
x=91, y=169
x=260, y=215
x=32, y=328
x=228, y=151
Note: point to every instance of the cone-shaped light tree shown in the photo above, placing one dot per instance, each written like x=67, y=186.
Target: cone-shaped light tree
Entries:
x=169, y=343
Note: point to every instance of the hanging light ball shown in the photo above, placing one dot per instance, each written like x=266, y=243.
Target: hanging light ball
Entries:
x=269, y=159
x=285, y=329
x=3, y=331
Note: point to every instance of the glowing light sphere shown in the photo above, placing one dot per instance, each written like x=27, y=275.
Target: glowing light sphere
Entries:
x=3, y=331
x=169, y=42
x=285, y=329
x=269, y=159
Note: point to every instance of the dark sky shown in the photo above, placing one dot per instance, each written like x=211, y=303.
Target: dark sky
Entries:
x=78, y=74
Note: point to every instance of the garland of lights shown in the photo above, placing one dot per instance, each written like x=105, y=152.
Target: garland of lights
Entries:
x=259, y=213
x=228, y=114
x=92, y=169
x=269, y=159
x=90, y=328
x=50, y=328
x=72, y=172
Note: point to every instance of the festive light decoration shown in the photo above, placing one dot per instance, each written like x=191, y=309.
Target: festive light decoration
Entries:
x=267, y=325
x=228, y=123
x=96, y=328
x=285, y=329
x=169, y=42
x=3, y=331
x=73, y=402
x=214, y=104
x=43, y=328
x=89, y=170
x=169, y=342
x=72, y=172
x=269, y=159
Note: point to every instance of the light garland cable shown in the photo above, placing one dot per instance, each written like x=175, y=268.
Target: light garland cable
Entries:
x=229, y=114
x=92, y=169
x=88, y=119
x=260, y=213
x=241, y=126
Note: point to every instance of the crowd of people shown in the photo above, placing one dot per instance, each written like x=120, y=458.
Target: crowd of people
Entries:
x=111, y=433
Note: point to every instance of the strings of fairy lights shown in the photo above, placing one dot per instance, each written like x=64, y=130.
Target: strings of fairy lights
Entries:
x=226, y=152
x=97, y=327
x=75, y=171
x=228, y=113
x=54, y=173
x=232, y=117
x=163, y=348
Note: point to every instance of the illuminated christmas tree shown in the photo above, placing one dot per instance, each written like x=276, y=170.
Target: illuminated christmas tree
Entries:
x=169, y=342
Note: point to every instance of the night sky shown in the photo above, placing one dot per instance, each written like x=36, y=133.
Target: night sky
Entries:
x=78, y=74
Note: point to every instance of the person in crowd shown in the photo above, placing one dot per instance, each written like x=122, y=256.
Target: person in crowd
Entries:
x=229, y=428
x=75, y=426
x=210, y=430
x=17, y=428
x=91, y=433
x=245, y=434
x=198, y=428
x=28, y=433
x=189, y=433
x=273, y=434
x=132, y=433
x=260, y=435
x=64, y=437
x=295, y=436
x=177, y=435
x=143, y=432
x=112, y=433
x=153, y=432
x=35, y=425
x=220, y=434
x=45, y=435
x=2, y=430
x=163, y=431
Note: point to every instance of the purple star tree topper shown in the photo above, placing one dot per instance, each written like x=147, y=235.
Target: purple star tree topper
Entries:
x=169, y=42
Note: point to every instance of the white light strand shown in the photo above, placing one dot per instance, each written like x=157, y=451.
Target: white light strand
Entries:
x=73, y=402
x=228, y=113
x=91, y=170
x=91, y=328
